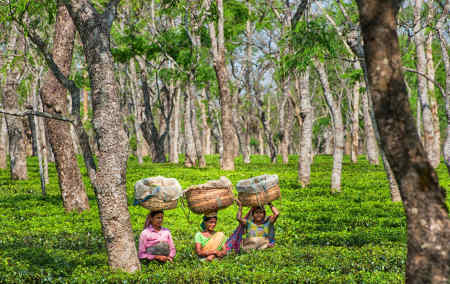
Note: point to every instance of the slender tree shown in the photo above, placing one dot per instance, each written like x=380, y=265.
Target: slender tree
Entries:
x=16, y=133
x=223, y=77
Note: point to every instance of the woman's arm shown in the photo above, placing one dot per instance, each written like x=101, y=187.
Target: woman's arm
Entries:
x=201, y=252
x=239, y=213
x=275, y=212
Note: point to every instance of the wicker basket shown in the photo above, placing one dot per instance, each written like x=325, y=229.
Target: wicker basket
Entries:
x=154, y=204
x=259, y=198
x=157, y=193
x=210, y=197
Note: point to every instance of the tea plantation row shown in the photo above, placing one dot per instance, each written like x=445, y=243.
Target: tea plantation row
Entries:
x=358, y=236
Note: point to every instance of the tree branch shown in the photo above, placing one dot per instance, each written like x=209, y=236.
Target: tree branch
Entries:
x=428, y=78
x=36, y=113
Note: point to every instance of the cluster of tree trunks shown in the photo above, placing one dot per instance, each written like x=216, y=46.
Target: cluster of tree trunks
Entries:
x=409, y=164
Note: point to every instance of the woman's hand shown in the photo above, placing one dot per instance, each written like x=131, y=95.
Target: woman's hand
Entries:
x=161, y=258
x=239, y=203
x=221, y=253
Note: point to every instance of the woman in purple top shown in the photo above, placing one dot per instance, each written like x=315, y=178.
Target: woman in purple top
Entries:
x=155, y=241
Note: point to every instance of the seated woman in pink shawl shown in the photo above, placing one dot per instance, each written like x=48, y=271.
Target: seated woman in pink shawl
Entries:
x=155, y=242
x=257, y=227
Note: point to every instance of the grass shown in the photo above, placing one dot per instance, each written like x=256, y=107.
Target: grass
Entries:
x=358, y=236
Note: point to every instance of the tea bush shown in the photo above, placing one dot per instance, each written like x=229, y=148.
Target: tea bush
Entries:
x=357, y=236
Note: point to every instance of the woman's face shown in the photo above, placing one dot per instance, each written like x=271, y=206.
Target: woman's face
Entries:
x=157, y=220
x=258, y=215
x=211, y=224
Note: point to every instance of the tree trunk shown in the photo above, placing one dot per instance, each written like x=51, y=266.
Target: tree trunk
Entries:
x=260, y=142
x=285, y=127
x=428, y=225
x=3, y=130
x=445, y=58
x=175, y=129
x=16, y=133
x=218, y=51
x=355, y=122
x=190, y=154
x=347, y=139
x=206, y=130
x=370, y=139
x=195, y=132
x=436, y=153
x=54, y=98
x=3, y=143
x=305, y=156
x=338, y=128
x=85, y=104
x=137, y=102
x=427, y=117
x=110, y=182
x=155, y=138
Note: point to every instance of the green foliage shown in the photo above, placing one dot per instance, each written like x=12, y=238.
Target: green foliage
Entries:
x=309, y=40
x=357, y=236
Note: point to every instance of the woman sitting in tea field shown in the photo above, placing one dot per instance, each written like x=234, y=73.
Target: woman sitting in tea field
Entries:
x=209, y=244
x=257, y=227
x=155, y=241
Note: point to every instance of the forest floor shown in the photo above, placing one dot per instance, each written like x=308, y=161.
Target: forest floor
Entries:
x=357, y=236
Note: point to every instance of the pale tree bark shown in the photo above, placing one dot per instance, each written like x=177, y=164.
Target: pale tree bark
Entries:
x=3, y=130
x=370, y=139
x=16, y=133
x=175, y=129
x=241, y=134
x=445, y=58
x=285, y=127
x=427, y=117
x=338, y=128
x=201, y=162
x=3, y=143
x=218, y=52
x=54, y=98
x=428, y=225
x=206, y=130
x=189, y=152
x=260, y=142
x=36, y=125
x=137, y=112
x=85, y=104
x=306, y=123
x=348, y=138
x=436, y=145
x=110, y=180
x=355, y=121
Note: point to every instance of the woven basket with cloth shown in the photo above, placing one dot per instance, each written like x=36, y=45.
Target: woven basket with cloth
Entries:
x=258, y=191
x=211, y=196
x=157, y=193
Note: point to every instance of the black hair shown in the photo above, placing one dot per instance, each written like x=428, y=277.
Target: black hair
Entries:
x=206, y=219
x=154, y=213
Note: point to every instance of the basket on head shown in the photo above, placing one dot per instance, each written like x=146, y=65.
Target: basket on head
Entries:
x=258, y=191
x=210, y=197
x=157, y=193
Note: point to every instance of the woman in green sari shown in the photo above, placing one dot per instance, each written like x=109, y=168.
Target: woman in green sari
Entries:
x=209, y=244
